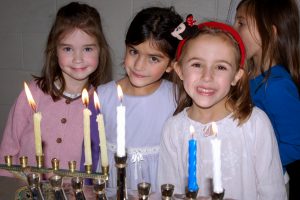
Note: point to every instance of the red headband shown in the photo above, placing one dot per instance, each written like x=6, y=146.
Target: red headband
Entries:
x=224, y=27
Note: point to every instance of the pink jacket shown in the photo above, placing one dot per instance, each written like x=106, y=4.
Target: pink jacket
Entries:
x=61, y=127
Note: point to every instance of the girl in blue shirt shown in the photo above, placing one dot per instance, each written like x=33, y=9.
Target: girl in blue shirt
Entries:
x=270, y=31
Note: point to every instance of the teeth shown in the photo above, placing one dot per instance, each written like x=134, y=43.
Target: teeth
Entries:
x=204, y=90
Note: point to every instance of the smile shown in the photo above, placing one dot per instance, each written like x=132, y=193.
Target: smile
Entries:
x=137, y=75
x=205, y=91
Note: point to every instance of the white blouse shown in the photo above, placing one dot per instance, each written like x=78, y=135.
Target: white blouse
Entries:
x=250, y=162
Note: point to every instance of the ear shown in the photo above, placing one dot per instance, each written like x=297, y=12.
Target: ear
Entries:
x=274, y=29
x=178, y=70
x=170, y=66
x=237, y=77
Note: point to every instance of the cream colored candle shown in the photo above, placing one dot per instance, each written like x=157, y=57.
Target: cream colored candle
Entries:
x=120, y=126
x=101, y=130
x=37, y=117
x=86, y=129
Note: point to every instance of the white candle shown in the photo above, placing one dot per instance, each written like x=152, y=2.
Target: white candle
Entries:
x=37, y=117
x=120, y=126
x=101, y=130
x=86, y=129
x=216, y=154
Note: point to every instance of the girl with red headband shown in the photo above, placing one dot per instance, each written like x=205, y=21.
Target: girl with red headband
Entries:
x=213, y=87
x=270, y=30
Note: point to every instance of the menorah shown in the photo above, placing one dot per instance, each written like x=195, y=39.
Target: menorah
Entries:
x=33, y=175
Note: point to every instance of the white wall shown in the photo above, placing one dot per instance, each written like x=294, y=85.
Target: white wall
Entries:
x=24, y=25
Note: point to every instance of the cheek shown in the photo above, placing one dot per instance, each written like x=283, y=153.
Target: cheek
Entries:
x=94, y=60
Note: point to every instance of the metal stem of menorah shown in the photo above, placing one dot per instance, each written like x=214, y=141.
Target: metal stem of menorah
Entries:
x=121, y=177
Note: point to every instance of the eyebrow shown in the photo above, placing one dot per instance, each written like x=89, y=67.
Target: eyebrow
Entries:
x=65, y=44
x=200, y=59
x=159, y=54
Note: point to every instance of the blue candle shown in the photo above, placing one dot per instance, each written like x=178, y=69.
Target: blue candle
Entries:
x=192, y=178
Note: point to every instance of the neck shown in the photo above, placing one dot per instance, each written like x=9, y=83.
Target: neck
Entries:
x=207, y=115
x=73, y=87
x=130, y=89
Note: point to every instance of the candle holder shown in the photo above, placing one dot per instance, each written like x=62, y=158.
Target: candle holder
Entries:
x=8, y=160
x=167, y=191
x=99, y=188
x=105, y=170
x=23, y=161
x=55, y=164
x=56, y=183
x=39, y=161
x=33, y=180
x=88, y=169
x=191, y=195
x=72, y=165
x=121, y=177
x=77, y=185
x=218, y=196
x=144, y=190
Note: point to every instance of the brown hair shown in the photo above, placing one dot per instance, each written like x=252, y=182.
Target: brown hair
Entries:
x=84, y=17
x=281, y=45
x=238, y=98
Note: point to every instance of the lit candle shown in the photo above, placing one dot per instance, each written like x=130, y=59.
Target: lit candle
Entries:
x=192, y=170
x=120, y=125
x=216, y=154
x=86, y=128
x=37, y=117
x=101, y=130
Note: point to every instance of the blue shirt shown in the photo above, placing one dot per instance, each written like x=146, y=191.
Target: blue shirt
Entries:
x=278, y=96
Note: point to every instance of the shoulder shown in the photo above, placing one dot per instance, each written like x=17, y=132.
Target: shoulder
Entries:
x=174, y=126
x=167, y=84
x=107, y=89
x=176, y=121
x=258, y=122
x=107, y=86
x=280, y=81
x=259, y=115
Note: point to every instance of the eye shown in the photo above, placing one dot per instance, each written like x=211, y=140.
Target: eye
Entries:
x=67, y=49
x=221, y=67
x=154, y=59
x=196, y=65
x=88, y=49
x=132, y=51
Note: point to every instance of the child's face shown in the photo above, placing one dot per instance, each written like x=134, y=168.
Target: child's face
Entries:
x=208, y=68
x=248, y=31
x=145, y=64
x=78, y=56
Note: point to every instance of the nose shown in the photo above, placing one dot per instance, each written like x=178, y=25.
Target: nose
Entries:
x=139, y=63
x=77, y=57
x=207, y=74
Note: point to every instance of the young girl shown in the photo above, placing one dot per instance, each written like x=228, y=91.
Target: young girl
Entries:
x=76, y=57
x=148, y=97
x=270, y=30
x=213, y=87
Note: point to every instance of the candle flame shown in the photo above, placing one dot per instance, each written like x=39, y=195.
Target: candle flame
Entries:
x=214, y=128
x=192, y=130
x=29, y=97
x=120, y=92
x=85, y=97
x=96, y=101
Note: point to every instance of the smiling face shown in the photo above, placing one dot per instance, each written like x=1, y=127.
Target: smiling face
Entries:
x=78, y=57
x=208, y=68
x=145, y=64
